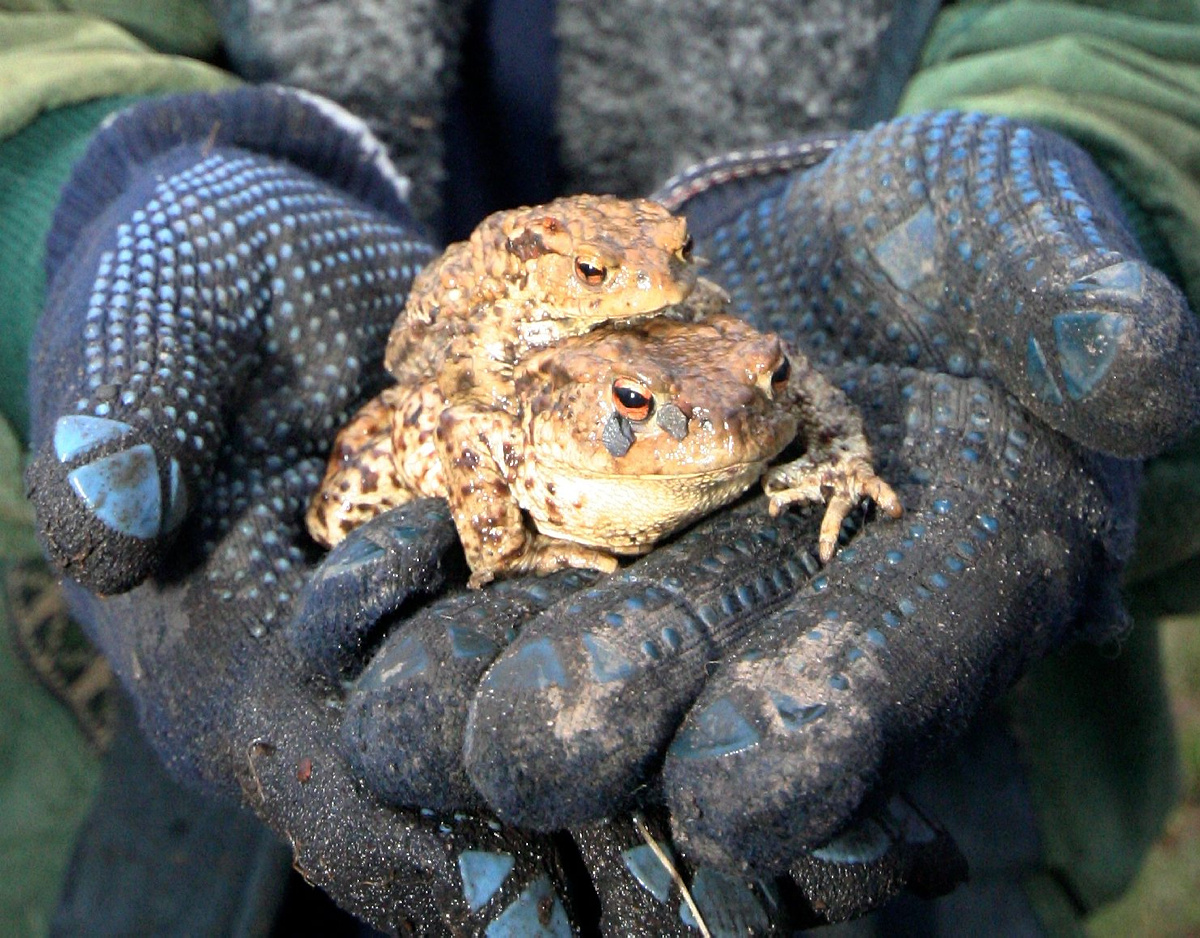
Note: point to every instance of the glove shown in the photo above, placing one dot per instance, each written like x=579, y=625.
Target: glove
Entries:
x=224, y=270
x=1013, y=356
x=228, y=644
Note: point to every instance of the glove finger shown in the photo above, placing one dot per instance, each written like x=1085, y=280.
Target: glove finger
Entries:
x=380, y=568
x=406, y=712
x=191, y=279
x=871, y=862
x=573, y=716
x=886, y=656
x=970, y=245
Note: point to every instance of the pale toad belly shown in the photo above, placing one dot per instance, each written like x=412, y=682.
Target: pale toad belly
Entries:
x=609, y=512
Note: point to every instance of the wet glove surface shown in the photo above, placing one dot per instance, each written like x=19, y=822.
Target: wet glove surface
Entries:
x=761, y=699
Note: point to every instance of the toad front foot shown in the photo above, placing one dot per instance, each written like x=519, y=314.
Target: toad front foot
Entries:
x=544, y=555
x=841, y=481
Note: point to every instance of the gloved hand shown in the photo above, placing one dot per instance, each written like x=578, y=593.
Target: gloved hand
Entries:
x=209, y=402
x=972, y=285
x=224, y=271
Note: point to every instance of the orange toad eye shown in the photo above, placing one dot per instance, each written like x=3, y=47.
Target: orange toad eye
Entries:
x=590, y=271
x=632, y=398
x=779, y=377
x=686, y=251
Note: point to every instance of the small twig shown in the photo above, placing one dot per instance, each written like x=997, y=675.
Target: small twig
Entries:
x=296, y=864
x=257, y=747
x=665, y=860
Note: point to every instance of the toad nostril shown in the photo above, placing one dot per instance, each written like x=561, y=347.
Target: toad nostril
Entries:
x=617, y=435
x=673, y=420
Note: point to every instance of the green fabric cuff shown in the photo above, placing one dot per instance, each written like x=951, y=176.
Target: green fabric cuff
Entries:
x=180, y=27
x=51, y=61
x=975, y=26
x=1125, y=85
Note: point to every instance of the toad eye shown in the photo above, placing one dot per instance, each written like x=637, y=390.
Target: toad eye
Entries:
x=632, y=398
x=779, y=377
x=686, y=251
x=590, y=271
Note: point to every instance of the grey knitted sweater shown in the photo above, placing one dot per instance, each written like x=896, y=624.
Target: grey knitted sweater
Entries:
x=644, y=87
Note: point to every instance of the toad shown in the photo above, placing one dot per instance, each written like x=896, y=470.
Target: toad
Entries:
x=615, y=439
x=528, y=277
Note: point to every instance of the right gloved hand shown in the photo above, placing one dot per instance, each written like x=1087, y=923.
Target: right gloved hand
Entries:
x=972, y=285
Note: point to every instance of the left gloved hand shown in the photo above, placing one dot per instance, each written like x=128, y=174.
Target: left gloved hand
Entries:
x=224, y=270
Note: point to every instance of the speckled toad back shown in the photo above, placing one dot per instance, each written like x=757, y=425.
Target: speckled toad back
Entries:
x=528, y=277
x=617, y=438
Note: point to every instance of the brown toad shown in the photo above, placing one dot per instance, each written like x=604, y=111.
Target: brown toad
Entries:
x=616, y=439
x=528, y=277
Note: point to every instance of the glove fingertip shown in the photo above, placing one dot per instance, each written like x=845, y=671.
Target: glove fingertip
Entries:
x=106, y=502
x=875, y=859
x=368, y=576
x=399, y=736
